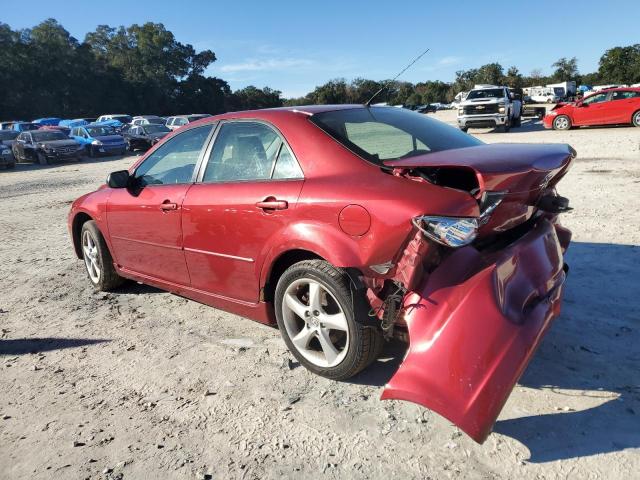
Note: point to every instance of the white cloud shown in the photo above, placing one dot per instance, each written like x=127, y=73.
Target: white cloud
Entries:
x=254, y=65
x=449, y=60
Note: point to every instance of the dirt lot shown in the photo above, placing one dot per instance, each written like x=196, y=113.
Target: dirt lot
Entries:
x=144, y=384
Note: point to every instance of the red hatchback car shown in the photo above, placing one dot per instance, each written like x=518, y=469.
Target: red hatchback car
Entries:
x=611, y=107
x=347, y=226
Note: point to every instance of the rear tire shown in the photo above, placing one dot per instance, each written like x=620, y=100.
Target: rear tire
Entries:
x=97, y=259
x=561, y=122
x=11, y=165
x=321, y=322
x=635, y=119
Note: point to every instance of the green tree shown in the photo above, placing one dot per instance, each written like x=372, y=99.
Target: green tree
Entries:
x=250, y=98
x=565, y=69
x=621, y=65
x=514, y=78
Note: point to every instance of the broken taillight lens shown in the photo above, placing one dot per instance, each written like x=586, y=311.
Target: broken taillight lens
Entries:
x=450, y=231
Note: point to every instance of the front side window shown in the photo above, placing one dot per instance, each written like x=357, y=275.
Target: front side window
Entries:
x=174, y=161
x=385, y=133
x=598, y=98
x=246, y=151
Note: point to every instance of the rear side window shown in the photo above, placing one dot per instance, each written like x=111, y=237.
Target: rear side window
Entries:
x=175, y=160
x=624, y=95
x=245, y=151
x=385, y=133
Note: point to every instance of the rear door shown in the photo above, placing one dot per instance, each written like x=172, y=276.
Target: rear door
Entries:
x=144, y=221
x=624, y=104
x=247, y=191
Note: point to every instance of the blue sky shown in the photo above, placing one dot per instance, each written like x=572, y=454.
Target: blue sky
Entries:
x=293, y=46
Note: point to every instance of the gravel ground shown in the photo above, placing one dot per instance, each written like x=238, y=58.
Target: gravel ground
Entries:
x=144, y=384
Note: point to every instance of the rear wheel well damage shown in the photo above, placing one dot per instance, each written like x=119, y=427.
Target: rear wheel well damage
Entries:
x=283, y=262
x=76, y=229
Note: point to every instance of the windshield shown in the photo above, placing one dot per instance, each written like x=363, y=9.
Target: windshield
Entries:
x=155, y=129
x=122, y=118
x=100, y=131
x=8, y=135
x=48, y=135
x=488, y=93
x=384, y=133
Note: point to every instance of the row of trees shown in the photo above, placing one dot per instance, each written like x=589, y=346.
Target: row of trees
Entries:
x=143, y=68
x=617, y=65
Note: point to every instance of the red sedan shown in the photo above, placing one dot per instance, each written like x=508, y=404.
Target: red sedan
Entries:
x=347, y=226
x=611, y=107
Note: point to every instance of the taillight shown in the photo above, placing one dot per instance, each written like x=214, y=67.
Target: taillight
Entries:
x=450, y=231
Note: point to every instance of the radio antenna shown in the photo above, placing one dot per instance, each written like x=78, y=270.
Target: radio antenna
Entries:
x=368, y=103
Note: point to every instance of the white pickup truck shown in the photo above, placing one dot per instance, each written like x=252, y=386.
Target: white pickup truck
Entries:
x=490, y=106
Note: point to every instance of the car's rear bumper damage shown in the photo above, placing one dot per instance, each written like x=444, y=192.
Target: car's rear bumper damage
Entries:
x=474, y=324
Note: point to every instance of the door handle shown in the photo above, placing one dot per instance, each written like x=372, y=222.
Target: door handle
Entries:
x=271, y=203
x=167, y=205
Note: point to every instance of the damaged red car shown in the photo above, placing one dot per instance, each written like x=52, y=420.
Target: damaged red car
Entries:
x=348, y=226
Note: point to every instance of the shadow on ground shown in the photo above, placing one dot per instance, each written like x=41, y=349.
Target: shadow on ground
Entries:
x=23, y=346
x=591, y=351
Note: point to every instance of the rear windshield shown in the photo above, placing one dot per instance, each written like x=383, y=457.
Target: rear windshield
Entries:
x=385, y=133
x=100, y=131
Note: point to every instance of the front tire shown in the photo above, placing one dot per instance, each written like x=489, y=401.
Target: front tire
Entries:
x=130, y=146
x=562, y=122
x=42, y=160
x=321, y=322
x=464, y=129
x=97, y=259
x=636, y=119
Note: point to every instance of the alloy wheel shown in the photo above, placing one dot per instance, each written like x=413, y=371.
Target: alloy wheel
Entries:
x=315, y=322
x=561, y=123
x=90, y=255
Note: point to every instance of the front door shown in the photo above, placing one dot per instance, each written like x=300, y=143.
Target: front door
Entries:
x=145, y=220
x=247, y=192
x=593, y=110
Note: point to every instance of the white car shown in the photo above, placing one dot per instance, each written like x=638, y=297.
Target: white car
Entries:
x=147, y=120
x=179, y=120
x=121, y=117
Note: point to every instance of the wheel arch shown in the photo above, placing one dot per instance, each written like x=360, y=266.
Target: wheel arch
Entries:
x=76, y=229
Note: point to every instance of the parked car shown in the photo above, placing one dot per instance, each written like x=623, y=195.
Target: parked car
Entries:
x=143, y=137
x=610, y=107
x=490, y=106
x=47, y=121
x=181, y=120
x=302, y=217
x=24, y=126
x=122, y=118
x=426, y=109
x=45, y=146
x=7, y=137
x=99, y=140
x=7, y=160
x=63, y=129
x=148, y=120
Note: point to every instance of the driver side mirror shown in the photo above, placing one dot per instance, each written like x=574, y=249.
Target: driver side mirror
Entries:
x=119, y=179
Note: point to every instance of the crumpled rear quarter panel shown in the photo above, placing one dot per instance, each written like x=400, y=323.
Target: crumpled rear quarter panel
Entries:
x=474, y=325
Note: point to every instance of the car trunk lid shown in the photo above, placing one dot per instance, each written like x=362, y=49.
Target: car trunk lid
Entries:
x=516, y=174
